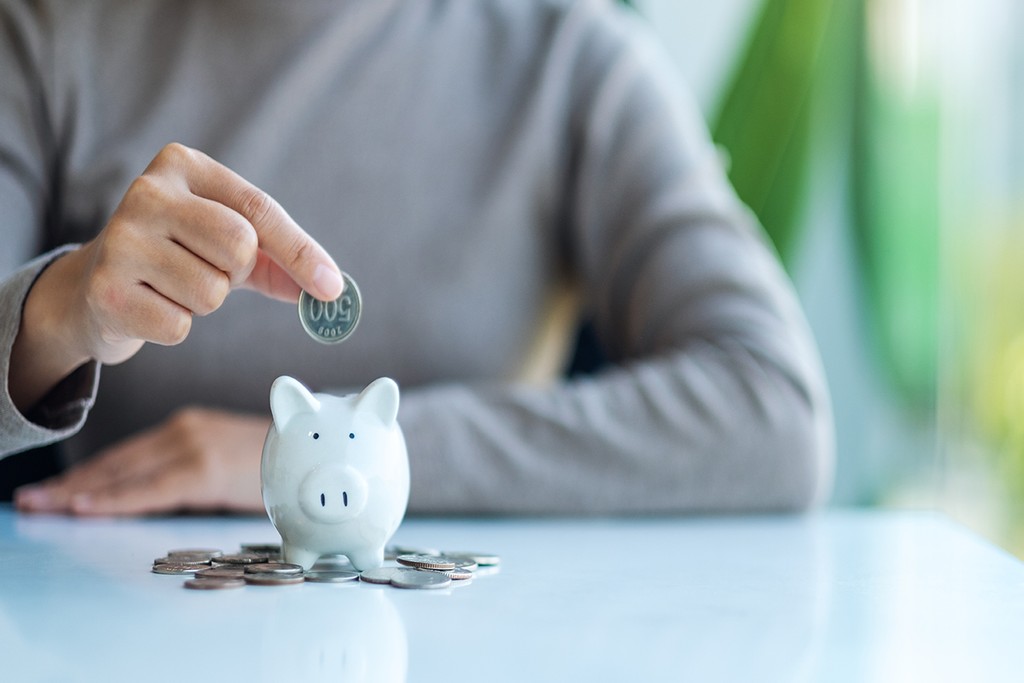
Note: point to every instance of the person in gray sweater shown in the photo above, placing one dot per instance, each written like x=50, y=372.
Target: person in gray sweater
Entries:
x=488, y=171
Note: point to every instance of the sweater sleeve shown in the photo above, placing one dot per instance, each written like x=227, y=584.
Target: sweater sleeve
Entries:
x=26, y=150
x=62, y=411
x=717, y=399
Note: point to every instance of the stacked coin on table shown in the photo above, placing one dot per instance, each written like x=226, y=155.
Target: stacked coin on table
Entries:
x=261, y=564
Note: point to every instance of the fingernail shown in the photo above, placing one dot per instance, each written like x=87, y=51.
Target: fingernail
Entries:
x=328, y=282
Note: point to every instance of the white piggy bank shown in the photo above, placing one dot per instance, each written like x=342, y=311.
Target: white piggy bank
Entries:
x=335, y=472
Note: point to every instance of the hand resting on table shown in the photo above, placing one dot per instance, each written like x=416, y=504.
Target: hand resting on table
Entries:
x=199, y=460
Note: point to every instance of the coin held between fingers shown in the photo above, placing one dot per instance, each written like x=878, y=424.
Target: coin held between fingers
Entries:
x=331, y=322
x=327, y=281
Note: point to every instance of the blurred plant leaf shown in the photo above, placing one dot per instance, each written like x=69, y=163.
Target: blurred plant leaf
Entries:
x=764, y=118
x=809, y=58
x=896, y=202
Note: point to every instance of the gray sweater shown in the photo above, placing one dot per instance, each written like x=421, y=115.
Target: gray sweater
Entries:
x=487, y=171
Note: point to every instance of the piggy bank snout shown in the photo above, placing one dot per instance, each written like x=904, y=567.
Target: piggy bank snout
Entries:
x=333, y=493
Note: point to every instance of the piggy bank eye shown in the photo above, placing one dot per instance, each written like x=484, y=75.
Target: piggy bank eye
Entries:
x=315, y=435
x=351, y=435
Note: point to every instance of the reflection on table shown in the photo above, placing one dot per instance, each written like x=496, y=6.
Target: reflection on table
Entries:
x=830, y=597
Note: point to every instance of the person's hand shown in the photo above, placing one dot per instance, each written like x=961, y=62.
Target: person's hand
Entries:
x=187, y=232
x=199, y=460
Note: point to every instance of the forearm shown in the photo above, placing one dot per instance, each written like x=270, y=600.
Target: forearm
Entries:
x=45, y=349
x=713, y=428
x=63, y=410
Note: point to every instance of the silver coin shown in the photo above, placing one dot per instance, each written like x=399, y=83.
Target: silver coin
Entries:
x=273, y=568
x=175, y=568
x=240, y=558
x=267, y=579
x=426, y=561
x=194, y=553
x=463, y=563
x=332, y=321
x=456, y=574
x=378, y=575
x=183, y=559
x=413, y=578
x=482, y=559
x=227, y=571
x=331, y=576
x=213, y=584
x=392, y=552
x=261, y=548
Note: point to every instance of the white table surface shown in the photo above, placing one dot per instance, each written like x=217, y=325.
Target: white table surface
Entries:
x=839, y=596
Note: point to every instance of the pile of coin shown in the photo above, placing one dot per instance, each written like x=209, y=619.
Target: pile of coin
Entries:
x=260, y=564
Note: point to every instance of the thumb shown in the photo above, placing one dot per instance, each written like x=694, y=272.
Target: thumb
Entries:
x=270, y=279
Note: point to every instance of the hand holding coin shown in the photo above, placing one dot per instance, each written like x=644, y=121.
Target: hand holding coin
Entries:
x=187, y=232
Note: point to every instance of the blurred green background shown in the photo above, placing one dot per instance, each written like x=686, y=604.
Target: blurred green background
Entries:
x=878, y=142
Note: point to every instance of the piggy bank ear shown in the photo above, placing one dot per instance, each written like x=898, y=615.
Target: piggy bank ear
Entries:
x=289, y=398
x=381, y=399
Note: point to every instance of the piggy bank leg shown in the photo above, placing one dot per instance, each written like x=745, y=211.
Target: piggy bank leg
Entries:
x=367, y=559
x=300, y=556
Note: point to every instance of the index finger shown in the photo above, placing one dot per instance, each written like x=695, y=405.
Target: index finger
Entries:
x=298, y=254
